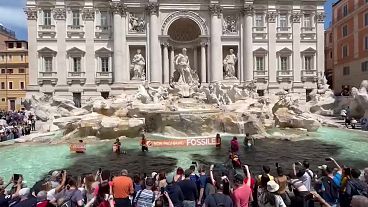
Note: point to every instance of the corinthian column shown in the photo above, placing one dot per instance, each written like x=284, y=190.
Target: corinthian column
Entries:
x=117, y=57
x=320, y=43
x=166, y=62
x=216, y=73
x=154, y=45
x=247, y=43
x=297, y=66
x=31, y=13
x=89, y=17
x=203, y=63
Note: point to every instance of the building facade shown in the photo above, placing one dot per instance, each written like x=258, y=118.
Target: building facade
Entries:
x=349, y=39
x=80, y=49
x=13, y=74
x=329, y=63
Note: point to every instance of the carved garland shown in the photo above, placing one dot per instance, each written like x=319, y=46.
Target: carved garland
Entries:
x=194, y=16
x=59, y=13
x=295, y=17
x=152, y=8
x=320, y=17
x=31, y=13
x=215, y=9
x=88, y=14
x=271, y=16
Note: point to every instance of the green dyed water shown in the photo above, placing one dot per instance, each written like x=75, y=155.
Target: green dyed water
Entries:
x=35, y=161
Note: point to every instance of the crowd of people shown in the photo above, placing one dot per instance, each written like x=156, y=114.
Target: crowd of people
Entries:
x=222, y=184
x=14, y=124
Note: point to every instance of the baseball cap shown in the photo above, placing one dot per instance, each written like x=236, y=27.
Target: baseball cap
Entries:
x=323, y=167
x=124, y=172
x=55, y=173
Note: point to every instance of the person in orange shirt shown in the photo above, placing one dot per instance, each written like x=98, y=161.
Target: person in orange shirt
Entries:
x=121, y=188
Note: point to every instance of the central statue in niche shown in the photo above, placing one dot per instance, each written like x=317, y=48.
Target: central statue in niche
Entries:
x=183, y=73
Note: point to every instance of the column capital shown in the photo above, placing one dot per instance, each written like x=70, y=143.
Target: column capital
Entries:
x=88, y=14
x=152, y=7
x=271, y=16
x=248, y=9
x=320, y=16
x=165, y=43
x=118, y=8
x=295, y=17
x=215, y=9
x=204, y=43
x=59, y=13
x=31, y=13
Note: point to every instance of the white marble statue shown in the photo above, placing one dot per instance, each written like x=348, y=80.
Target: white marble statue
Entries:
x=183, y=73
x=229, y=65
x=136, y=24
x=137, y=66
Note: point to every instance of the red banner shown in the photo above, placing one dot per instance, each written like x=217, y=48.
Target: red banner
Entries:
x=77, y=147
x=182, y=142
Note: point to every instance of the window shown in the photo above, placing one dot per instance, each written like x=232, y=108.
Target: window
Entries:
x=345, y=10
x=105, y=64
x=76, y=18
x=21, y=70
x=260, y=63
x=346, y=71
x=10, y=45
x=21, y=57
x=283, y=22
x=330, y=38
x=104, y=20
x=76, y=64
x=345, y=51
x=259, y=20
x=308, y=62
x=366, y=42
x=10, y=57
x=3, y=99
x=22, y=85
x=345, y=31
x=19, y=45
x=3, y=71
x=308, y=21
x=48, y=64
x=10, y=71
x=2, y=85
x=2, y=57
x=366, y=19
x=330, y=55
x=365, y=66
x=10, y=85
x=47, y=17
x=284, y=63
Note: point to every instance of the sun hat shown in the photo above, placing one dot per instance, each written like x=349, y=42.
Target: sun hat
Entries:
x=272, y=186
x=153, y=174
x=55, y=173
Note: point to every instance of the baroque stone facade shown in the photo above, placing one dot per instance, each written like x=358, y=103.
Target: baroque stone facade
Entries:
x=88, y=48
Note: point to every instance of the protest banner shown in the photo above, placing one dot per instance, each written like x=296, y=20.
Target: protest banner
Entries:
x=190, y=142
x=79, y=148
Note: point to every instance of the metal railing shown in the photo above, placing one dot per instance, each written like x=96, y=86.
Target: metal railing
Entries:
x=45, y=74
x=76, y=74
x=46, y=27
x=104, y=74
x=75, y=27
x=284, y=73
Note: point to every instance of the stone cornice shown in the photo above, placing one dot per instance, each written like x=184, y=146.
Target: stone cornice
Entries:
x=88, y=14
x=215, y=9
x=59, y=13
x=31, y=13
x=152, y=7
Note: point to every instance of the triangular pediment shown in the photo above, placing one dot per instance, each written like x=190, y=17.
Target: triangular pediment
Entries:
x=103, y=50
x=46, y=50
x=285, y=50
x=309, y=50
x=260, y=50
x=75, y=50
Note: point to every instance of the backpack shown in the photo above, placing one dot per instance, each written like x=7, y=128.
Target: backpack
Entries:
x=218, y=204
x=68, y=202
x=331, y=192
x=357, y=190
x=139, y=195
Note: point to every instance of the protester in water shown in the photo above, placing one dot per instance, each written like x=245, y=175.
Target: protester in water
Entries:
x=234, y=145
x=117, y=146
x=218, y=141
x=144, y=144
x=248, y=141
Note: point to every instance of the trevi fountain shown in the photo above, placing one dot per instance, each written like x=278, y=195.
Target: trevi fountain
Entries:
x=286, y=129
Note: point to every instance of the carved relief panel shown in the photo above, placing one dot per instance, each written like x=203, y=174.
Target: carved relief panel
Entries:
x=230, y=24
x=136, y=23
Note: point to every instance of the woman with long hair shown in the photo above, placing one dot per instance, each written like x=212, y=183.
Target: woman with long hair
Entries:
x=270, y=197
